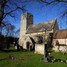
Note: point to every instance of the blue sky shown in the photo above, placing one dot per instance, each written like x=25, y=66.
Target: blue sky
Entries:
x=41, y=14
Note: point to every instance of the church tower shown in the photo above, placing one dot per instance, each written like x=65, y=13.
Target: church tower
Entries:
x=26, y=20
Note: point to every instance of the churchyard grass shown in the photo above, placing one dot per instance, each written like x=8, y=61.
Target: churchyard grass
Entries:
x=29, y=59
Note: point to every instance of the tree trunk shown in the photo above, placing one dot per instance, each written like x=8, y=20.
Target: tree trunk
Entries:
x=3, y=3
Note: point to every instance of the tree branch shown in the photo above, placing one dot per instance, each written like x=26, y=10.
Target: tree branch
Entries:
x=64, y=13
x=5, y=14
x=54, y=1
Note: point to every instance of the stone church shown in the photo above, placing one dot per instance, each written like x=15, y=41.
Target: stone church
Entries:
x=36, y=36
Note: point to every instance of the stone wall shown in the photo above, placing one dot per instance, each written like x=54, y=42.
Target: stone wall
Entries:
x=62, y=45
x=60, y=49
x=60, y=41
x=39, y=48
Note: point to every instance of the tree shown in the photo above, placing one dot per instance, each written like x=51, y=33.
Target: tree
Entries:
x=7, y=9
x=52, y=2
x=9, y=29
x=1, y=28
x=17, y=32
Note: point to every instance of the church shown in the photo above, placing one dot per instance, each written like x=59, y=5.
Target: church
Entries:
x=36, y=36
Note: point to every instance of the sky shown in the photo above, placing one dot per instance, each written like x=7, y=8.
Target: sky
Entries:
x=41, y=13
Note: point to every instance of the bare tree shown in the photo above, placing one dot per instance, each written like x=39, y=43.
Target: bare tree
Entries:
x=7, y=7
x=17, y=32
x=10, y=30
x=1, y=28
x=52, y=2
x=5, y=4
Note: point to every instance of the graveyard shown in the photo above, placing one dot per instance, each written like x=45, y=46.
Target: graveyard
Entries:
x=28, y=59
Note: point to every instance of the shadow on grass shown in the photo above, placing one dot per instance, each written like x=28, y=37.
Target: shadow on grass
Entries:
x=9, y=50
x=3, y=59
x=13, y=50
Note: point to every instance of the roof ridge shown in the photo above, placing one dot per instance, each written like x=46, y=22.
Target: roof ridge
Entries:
x=49, y=21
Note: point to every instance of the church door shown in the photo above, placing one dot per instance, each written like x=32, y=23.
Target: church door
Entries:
x=28, y=45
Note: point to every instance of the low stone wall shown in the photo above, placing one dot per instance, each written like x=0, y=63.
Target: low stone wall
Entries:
x=60, y=49
x=39, y=49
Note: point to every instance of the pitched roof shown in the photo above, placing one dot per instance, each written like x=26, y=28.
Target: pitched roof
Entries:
x=60, y=34
x=41, y=27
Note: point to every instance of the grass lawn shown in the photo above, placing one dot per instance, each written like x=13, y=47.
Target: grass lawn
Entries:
x=29, y=59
